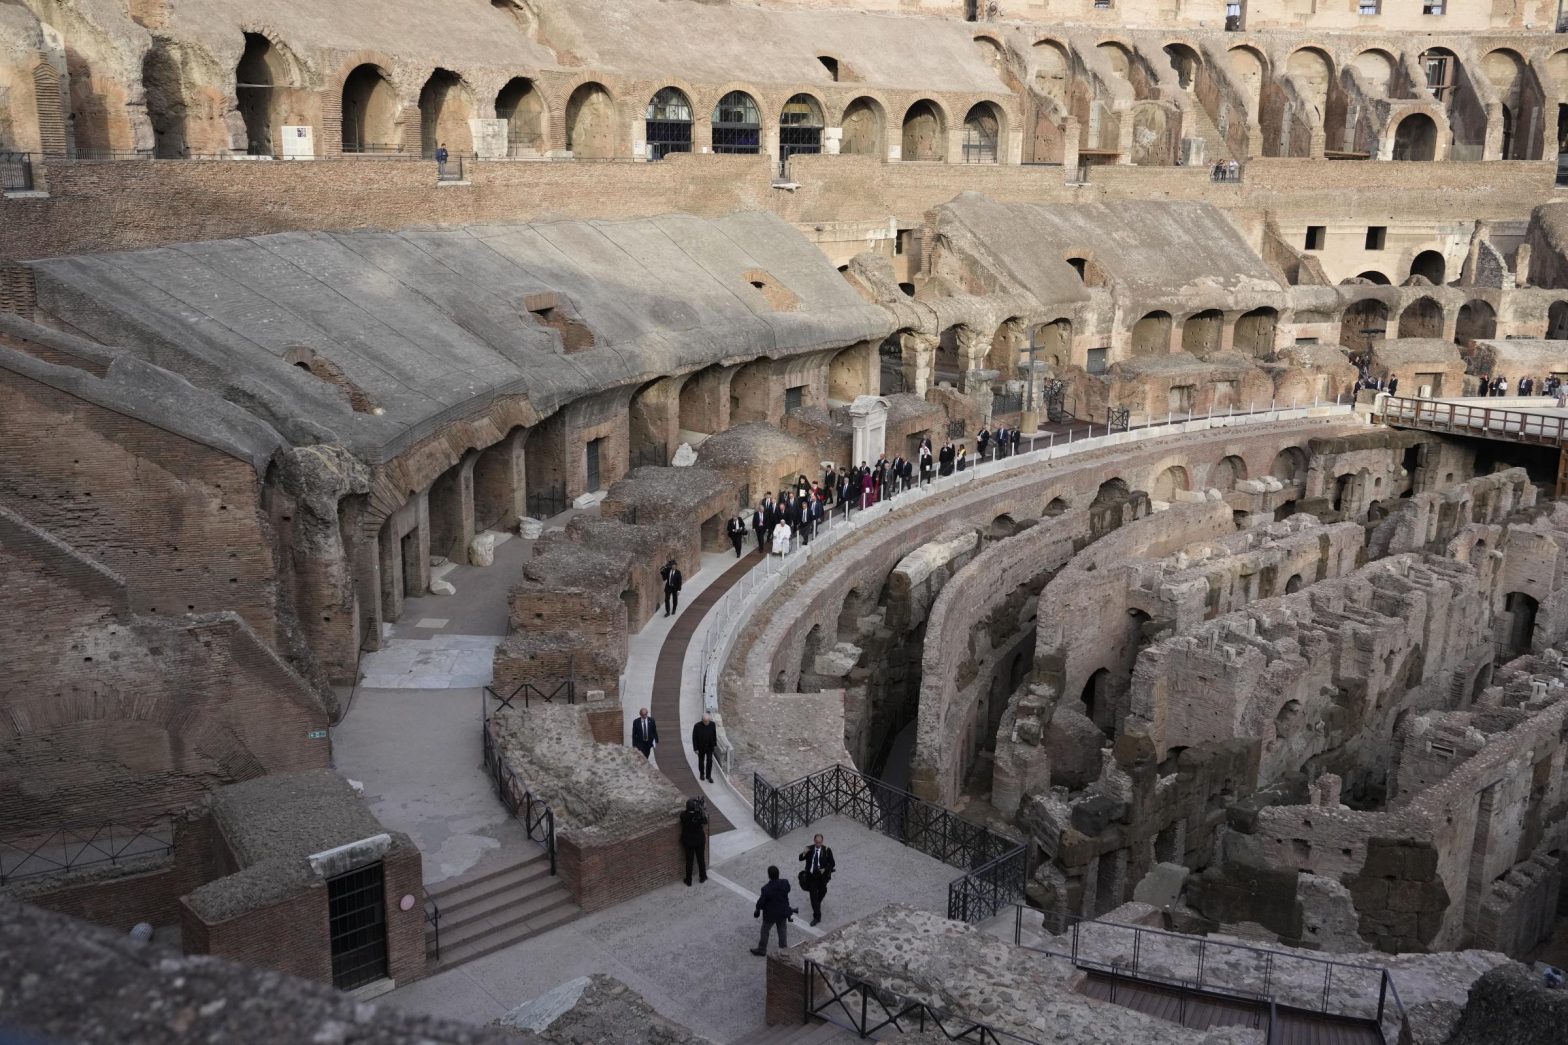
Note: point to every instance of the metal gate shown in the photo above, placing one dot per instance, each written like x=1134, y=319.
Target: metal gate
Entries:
x=593, y=463
x=356, y=903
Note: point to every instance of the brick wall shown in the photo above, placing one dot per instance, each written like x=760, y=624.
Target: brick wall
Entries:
x=786, y=988
x=600, y=874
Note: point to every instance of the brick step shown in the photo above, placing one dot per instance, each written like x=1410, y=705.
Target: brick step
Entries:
x=494, y=938
x=473, y=886
x=499, y=901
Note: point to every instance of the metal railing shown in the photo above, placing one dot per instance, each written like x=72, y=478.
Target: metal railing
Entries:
x=1290, y=981
x=71, y=848
x=547, y=503
x=995, y=866
x=848, y=1001
x=563, y=692
x=16, y=172
x=537, y=816
x=1520, y=426
x=433, y=919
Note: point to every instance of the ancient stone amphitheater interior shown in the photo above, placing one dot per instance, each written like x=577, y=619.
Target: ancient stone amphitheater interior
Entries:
x=1176, y=652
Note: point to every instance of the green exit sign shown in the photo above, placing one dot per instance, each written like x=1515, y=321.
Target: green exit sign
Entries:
x=317, y=734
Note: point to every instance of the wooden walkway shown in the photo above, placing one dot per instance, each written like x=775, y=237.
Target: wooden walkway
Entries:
x=1201, y=1011
x=665, y=704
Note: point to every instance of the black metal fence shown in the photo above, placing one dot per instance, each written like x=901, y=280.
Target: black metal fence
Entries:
x=16, y=172
x=537, y=816
x=70, y=848
x=848, y=1001
x=433, y=920
x=995, y=866
x=543, y=504
x=650, y=456
x=1007, y=402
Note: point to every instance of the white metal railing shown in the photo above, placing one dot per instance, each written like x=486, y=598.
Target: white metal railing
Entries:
x=734, y=608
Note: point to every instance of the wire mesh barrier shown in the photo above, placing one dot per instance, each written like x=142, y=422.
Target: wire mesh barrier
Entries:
x=537, y=816
x=70, y=848
x=848, y=1001
x=357, y=926
x=1287, y=987
x=997, y=864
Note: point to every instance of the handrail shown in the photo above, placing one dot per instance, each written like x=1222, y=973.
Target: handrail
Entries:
x=903, y=1008
x=433, y=919
x=536, y=813
x=995, y=866
x=1271, y=958
x=1491, y=422
x=69, y=848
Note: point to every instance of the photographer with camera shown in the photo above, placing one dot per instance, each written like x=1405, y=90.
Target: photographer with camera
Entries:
x=774, y=909
x=694, y=837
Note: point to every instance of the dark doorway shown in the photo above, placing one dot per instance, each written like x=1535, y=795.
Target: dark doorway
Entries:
x=1521, y=626
x=356, y=904
x=594, y=446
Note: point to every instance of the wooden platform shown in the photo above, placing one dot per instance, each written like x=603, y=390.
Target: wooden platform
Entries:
x=1201, y=1011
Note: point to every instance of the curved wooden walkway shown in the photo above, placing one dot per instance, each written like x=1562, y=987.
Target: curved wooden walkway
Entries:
x=665, y=704
x=1201, y=1011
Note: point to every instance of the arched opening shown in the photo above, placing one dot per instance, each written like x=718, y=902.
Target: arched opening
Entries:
x=737, y=125
x=1345, y=491
x=1151, y=335
x=1557, y=321
x=1248, y=71
x=982, y=134
x=1364, y=322
x=1312, y=73
x=449, y=529
x=1375, y=277
x=444, y=113
x=1521, y=609
x=751, y=392
x=1376, y=69
x=164, y=90
x=499, y=488
x=1096, y=700
x=1293, y=585
x=1230, y=470
x=925, y=132
x=369, y=111
x=667, y=123
x=1112, y=491
x=522, y=107
x=1056, y=506
x=1290, y=465
x=864, y=129
x=1255, y=333
x=1200, y=334
x=1169, y=483
x=1005, y=345
x=1053, y=342
x=1422, y=318
x=1431, y=266
x=800, y=127
x=1185, y=63
x=1477, y=321
x=258, y=79
x=702, y=403
x=1415, y=138
x=890, y=355
x=590, y=123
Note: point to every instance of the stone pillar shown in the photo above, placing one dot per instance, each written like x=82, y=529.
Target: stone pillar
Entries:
x=832, y=140
x=868, y=414
x=489, y=138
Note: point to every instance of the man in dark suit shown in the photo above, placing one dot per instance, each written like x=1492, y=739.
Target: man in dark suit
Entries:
x=704, y=741
x=737, y=531
x=814, y=877
x=759, y=522
x=694, y=838
x=645, y=732
x=774, y=909
x=672, y=587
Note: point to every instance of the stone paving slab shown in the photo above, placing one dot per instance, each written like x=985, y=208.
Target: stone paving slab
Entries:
x=685, y=949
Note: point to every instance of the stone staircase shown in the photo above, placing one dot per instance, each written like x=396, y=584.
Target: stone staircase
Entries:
x=495, y=907
x=1201, y=125
x=814, y=1033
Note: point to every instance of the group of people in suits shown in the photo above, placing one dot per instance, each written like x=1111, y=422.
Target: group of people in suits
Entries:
x=773, y=902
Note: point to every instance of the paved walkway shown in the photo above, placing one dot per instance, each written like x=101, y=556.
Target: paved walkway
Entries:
x=685, y=949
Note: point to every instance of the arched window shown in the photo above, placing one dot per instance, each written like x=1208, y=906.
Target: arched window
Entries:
x=737, y=125
x=800, y=127
x=982, y=128
x=522, y=107
x=668, y=126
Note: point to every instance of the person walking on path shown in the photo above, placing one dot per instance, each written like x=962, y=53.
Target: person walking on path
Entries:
x=441, y=158
x=704, y=741
x=759, y=523
x=694, y=837
x=737, y=532
x=818, y=859
x=774, y=909
x=672, y=587
x=645, y=732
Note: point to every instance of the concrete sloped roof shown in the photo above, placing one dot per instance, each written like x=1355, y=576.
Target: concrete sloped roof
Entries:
x=1404, y=350
x=1161, y=253
x=428, y=320
x=715, y=43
